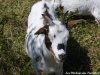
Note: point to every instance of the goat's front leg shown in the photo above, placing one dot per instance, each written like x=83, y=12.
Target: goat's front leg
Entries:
x=51, y=74
x=35, y=66
x=59, y=72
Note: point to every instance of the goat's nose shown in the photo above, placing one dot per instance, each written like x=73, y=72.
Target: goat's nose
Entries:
x=62, y=56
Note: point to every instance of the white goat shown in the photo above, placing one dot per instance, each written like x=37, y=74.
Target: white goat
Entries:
x=84, y=7
x=46, y=39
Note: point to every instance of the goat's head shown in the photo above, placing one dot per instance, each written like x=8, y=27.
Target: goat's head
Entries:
x=56, y=36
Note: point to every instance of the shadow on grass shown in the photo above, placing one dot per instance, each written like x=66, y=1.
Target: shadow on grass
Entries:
x=77, y=59
x=6, y=45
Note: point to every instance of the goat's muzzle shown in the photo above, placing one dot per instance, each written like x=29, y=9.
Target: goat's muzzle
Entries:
x=62, y=57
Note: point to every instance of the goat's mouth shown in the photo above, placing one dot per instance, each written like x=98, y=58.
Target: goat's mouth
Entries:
x=60, y=60
x=57, y=59
x=54, y=56
x=62, y=57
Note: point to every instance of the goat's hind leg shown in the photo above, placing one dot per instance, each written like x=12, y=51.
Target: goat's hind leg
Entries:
x=96, y=14
x=98, y=22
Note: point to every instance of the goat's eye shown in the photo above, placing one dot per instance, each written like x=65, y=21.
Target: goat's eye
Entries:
x=59, y=31
x=54, y=36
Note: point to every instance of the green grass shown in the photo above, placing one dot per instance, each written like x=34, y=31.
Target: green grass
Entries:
x=13, y=24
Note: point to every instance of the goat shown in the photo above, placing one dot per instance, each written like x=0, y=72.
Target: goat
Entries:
x=54, y=3
x=84, y=7
x=46, y=39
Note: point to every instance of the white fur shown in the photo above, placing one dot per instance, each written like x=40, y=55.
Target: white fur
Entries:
x=35, y=44
x=84, y=7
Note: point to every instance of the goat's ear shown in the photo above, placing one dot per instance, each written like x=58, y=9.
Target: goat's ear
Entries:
x=46, y=21
x=47, y=17
x=61, y=8
x=43, y=30
x=64, y=15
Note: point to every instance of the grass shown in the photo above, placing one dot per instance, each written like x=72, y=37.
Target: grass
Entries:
x=13, y=59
